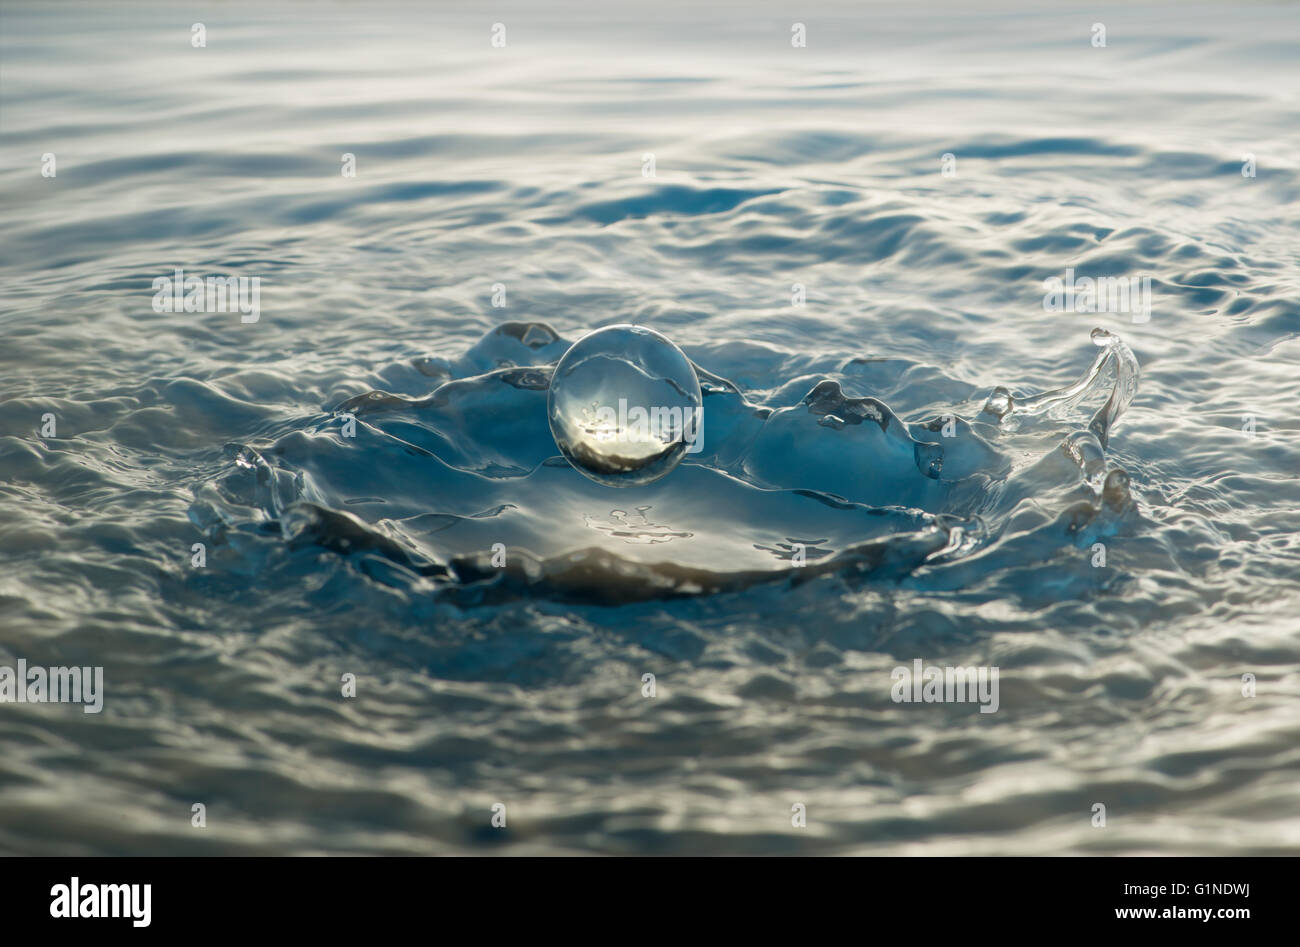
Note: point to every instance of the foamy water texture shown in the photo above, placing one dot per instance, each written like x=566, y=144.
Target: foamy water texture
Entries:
x=908, y=452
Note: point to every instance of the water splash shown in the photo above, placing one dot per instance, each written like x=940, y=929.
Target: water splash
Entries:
x=1009, y=411
x=470, y=470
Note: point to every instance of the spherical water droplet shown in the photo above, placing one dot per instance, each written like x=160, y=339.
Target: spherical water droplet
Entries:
x=625, y=405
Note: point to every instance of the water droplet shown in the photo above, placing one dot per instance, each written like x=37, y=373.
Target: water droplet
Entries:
x=1000, y=403
x=625, y=405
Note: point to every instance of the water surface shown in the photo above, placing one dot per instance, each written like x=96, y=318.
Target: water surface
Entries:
x=524, y=166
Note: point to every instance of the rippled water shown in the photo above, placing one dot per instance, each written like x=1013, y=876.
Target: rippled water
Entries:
x=828, y=532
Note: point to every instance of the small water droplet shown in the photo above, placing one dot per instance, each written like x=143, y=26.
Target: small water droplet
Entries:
x=624, y=405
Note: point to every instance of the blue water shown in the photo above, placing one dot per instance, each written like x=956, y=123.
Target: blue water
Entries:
x=828, y=531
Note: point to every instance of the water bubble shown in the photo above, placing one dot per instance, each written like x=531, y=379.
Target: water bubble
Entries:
x=625, y=406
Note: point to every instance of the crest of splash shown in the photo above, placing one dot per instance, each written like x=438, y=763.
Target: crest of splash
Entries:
x=1085, y=448
x=459, y=494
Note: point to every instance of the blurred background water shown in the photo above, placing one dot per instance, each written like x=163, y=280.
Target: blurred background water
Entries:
x=522, y=165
